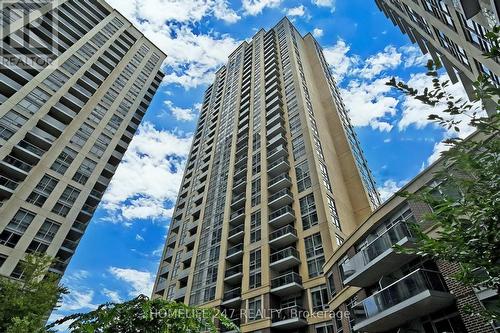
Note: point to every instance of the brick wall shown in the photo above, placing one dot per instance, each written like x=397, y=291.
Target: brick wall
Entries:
x=465, y=296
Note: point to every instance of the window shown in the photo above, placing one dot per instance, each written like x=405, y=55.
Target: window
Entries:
x=254, y=309
x=42, y=191
x=256, y=192
x=84, y=171
x=314, y=254
x=339, y=328
x=56, y=80
x=255, y=225
x=350, y=307
x=67, y=199
x=100, y=145
x=339, y=240
x=255, y=267
x=18, y=272
x=308, y=212
x=82, y=135
x=298, y=147
x=319, y=296
x=324, y=328
x=16, y=228
x=256, y=164
x=34, y=100
x=303, y=176
x=64, y=160
x=44, y=237
x=330, y=283
x=332, y=208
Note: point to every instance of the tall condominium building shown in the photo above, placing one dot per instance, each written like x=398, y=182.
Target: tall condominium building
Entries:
x=453, y=31
x=75, y=81
x=384, y=290
x=275, y=181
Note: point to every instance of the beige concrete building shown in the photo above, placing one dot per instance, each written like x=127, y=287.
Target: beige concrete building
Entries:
x=374, y=288
x=274, y=183
x=75, y=81
x=452, y=31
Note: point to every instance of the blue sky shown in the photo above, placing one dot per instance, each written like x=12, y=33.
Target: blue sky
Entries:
x=120, y=252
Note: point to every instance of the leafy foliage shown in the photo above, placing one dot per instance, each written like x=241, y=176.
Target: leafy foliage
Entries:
x=466, y=193
x=145, y=315
x=26, y=304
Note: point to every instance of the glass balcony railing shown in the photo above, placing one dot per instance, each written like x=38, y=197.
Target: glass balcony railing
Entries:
x=292, y=312
x=411, y=285
x=288, y=252
x=280, y=194
x=282, y=211
x=17, y=163
x=8, y=183
x=375, y=248
x=282, y=231
x=32, y=148
x=279, y=178
x=286, y=279
x=234, y=249
x=234, y=270
x=233, y=293
x=236, y=230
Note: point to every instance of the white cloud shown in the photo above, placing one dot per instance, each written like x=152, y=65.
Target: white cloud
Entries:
x=112, y=295
x=255, y=7
x=325, y=3
x=296, y=11
x=193, y=57
x=413, y=56
x=338, y=60
x=139, y=238
x=78, y=300
x=368, y=104
x=317, y=32
x=148, y=177
x=183, y=114
x=389, y=188
x=389, y=58
x=140, y=282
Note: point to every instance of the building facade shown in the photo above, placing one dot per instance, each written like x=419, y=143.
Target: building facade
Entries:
x=372, y=287
x=274, y=183
x=453, y=31
x=75, y=81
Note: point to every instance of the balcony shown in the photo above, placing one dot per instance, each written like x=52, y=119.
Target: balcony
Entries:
x=378, y=257
x=234, y=274
x=232, y=297
x=285, y=259
x=237, y=217
x=276, y=129
x=179, y=295
x=277, y=119
x=14, y=166
x=288, y=284
x=418, y=294
x=235, y=253
x=183, y=274
x=164, y=271
x=289, y=318
x=276, y=141
x=69, y=245
x=30, y=150
x=282, y=237
x=281, y=198
x=238, y=200
x=281, y=217
x=7, y=186
x=187, y=256
x=278, y=152
x=279, y=182
x=240, y=185
x=240, y=173
x=278, y=167
x=236, y=234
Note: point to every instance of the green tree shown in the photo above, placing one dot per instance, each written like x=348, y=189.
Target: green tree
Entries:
x=26, y=304
x=466, y=200
x=145, y=315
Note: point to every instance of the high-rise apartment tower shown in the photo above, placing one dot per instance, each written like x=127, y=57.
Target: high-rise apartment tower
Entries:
x=453, y=31
x=75, y=81
x=274, y=182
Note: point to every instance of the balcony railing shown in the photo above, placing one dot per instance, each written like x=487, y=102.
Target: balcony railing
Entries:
x=8, y=183
x=234, y=249
x=280, y=212
x=376, y=309
x=283, y=231
x=17, y=163
x=32, y=148
x=288, y=252
x=233, y=293
x=279, y=178
x=280, y=194
x=234, y=270
x=375, y=248
x=286, y=279
x=237, y=213
x=236, y=230
x=292, y=312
